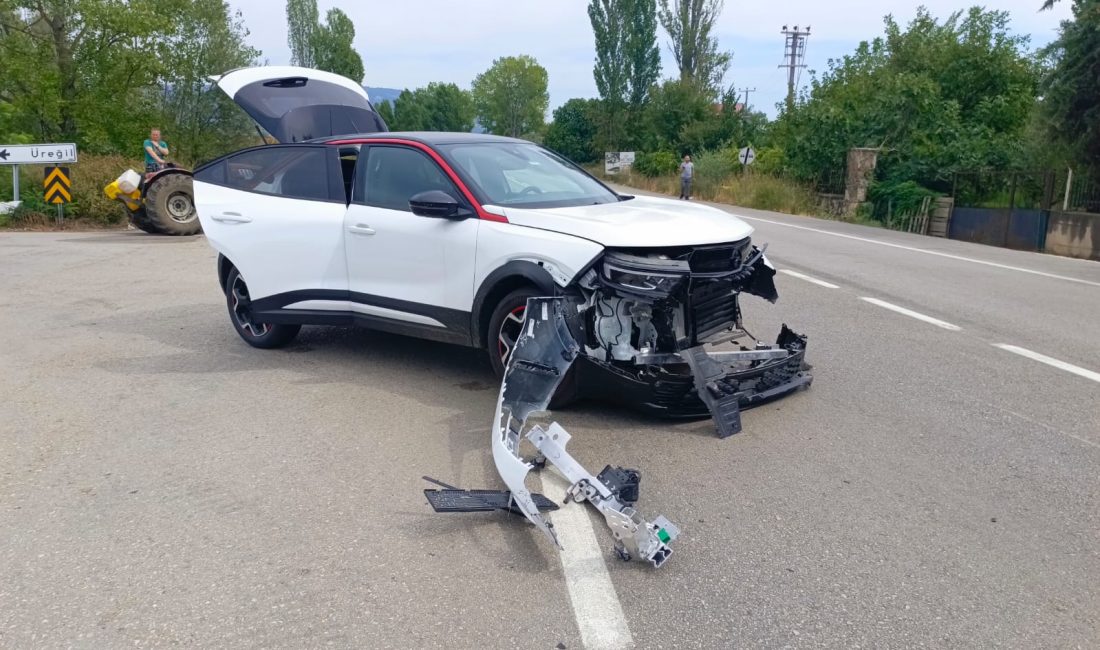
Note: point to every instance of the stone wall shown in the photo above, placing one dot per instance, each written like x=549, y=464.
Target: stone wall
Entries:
x=861, y=171
x=1073, y=234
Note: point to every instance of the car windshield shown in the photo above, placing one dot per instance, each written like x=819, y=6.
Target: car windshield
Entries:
x=526, y=176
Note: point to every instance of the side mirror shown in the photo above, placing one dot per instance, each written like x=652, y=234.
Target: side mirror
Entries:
x=438, y=205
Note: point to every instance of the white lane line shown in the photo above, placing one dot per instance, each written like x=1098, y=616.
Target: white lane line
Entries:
x=803, y=276
x=596, y=606
x=924, y=250
x=912, y=314
x=1050, y=361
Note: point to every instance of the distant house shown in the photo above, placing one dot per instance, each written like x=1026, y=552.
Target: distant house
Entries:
x=737, y=108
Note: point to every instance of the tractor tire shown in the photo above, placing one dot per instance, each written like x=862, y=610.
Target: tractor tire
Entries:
x=142, y=221
x=170, y=205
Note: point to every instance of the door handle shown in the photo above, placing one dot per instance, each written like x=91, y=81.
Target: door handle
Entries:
x=362, y=229
x=232, y=217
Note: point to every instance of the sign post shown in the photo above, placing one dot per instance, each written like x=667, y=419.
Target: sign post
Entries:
x=35, y=154
x=58, y=189
x=746, y=155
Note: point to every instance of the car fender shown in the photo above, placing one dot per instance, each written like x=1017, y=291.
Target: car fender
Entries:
x=509, y=256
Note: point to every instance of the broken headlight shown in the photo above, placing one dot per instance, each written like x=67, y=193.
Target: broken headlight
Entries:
x=643, y=276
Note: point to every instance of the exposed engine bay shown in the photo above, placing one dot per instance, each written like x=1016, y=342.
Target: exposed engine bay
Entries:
x=643, y=322
x=651, y=319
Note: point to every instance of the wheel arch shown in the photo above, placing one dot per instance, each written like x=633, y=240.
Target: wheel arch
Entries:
x=224, y=267
x=164, y=173
x=501, y=282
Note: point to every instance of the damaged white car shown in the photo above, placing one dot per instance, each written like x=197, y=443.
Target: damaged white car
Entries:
x=447, y=235
x=571, y=288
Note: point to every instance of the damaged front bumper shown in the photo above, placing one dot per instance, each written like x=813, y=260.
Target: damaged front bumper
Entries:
x=697, y=383
x=543, y=354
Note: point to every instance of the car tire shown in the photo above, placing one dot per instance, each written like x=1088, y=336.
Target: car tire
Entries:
x=505, y=325
x=258, y=335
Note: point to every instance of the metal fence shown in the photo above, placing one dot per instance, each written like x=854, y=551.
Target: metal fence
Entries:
x=1079, y=193
x=1003, y=208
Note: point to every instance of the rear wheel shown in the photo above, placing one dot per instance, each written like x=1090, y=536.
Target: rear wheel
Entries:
x=141, y=220
x=505, y=326
x=170, y=204
x=255, y=333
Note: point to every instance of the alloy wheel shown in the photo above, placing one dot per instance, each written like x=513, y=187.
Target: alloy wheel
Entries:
x=242, y=309
x=509, y=333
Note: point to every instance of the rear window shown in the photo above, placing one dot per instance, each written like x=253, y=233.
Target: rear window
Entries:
x=308, y=173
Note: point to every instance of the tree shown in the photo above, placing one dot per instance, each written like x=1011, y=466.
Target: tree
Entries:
x=385, y=111
x=1071, y=97
x=690, y=24
x=333, y=47
x=642, y=54
x=207, y=39
x=510, y=97
x=935, y=97
x=628, y=61
x=301, y=22
x=436, y=107
x=674, y=106
x=573, y=131
x=84, y=69
x=612, y=70
x=328, y=46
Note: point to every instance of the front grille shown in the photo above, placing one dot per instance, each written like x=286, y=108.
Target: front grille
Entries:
x=713, y=306
x=717, y=259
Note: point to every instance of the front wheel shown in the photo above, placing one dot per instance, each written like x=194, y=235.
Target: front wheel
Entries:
x=255, y=333
x=505, y=327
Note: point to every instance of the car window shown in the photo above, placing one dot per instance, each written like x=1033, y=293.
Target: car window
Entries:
x=524, y=175
x=393, y=175
x=308, y=173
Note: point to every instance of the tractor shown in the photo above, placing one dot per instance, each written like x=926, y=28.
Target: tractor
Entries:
x=160, y=202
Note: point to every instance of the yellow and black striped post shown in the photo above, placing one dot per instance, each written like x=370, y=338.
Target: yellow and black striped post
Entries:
x=58, y=185
x=59, y=189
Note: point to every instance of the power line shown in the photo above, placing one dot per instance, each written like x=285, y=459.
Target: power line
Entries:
x=794, y=56
x=745, y=106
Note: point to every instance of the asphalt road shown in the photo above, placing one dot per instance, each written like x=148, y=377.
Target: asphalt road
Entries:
x=163, y=484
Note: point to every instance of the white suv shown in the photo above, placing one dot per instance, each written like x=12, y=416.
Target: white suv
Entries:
x=446, y=235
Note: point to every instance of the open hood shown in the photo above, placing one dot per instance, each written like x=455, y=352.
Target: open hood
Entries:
x=295, y=104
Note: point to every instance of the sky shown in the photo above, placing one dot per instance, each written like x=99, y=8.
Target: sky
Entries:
x=409, y=43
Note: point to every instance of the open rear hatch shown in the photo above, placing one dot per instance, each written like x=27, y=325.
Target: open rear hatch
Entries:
x=297, y=104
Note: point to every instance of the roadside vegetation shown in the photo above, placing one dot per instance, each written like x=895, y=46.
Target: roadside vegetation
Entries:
x=936, y=96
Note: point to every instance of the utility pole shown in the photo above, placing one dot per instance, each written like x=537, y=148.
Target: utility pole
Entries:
x=745, y=106
x=794, y=55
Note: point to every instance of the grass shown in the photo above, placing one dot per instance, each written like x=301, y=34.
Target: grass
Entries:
x=759, y=191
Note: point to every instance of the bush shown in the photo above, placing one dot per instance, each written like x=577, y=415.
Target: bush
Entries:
x=897, y=198
x=661, y=163
x=89, y=177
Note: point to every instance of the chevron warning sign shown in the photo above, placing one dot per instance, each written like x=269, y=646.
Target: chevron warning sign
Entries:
x=58, y=185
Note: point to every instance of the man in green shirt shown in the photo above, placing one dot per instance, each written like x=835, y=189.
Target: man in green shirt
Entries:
x=156, y=152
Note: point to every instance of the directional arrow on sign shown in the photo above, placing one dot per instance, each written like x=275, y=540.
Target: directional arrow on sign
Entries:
x=4, y=154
